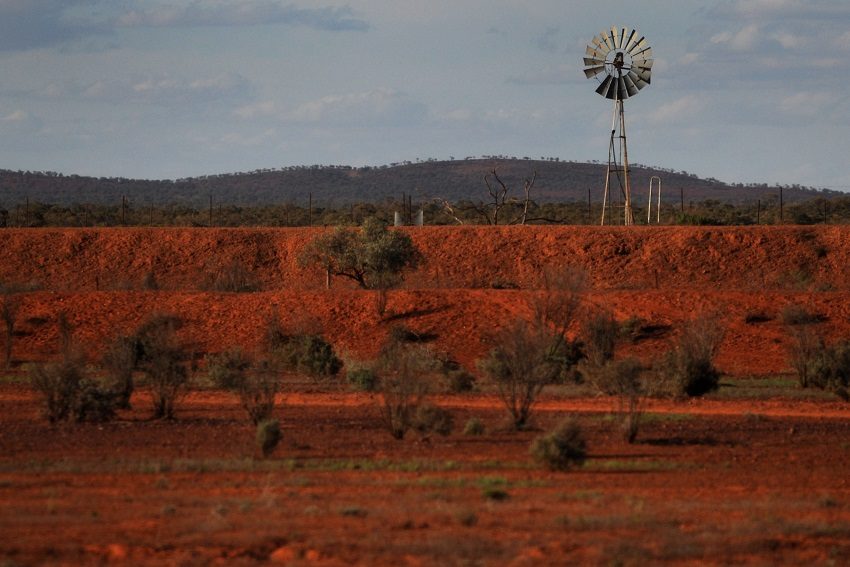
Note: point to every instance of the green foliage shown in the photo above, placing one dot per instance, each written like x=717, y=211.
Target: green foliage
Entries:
x=828, y=368
x=374, y=257
x=430, y=418
x=688, y=369
x=404, y=372
x=527, y=358
x=161, y=357
x=307, y=353
x=600, y=332
x=268, y=436
x=118, y=362
x=474, y=427
x=226, y=370
x=561, y=449
x=362, y=379
x=257, y=391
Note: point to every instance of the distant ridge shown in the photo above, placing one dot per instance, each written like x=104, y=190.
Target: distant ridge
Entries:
x=557, y=181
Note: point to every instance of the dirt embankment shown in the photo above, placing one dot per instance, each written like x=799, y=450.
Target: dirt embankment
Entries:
x=663, y=276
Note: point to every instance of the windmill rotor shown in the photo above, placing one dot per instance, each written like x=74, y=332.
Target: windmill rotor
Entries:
x=620, y=59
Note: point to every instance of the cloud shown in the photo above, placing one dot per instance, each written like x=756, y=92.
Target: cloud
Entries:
x=377, y=107
x=161, y=90
x=676, y=111
x=31, y=24
x=206, y=13
x=742, y=40
x=72, y=24
x=19, y=122
x=807, y=103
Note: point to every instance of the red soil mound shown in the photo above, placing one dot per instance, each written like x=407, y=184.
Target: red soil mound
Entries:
x=664, y=276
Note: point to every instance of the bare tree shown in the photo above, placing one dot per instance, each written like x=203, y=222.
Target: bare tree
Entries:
x=499, y=203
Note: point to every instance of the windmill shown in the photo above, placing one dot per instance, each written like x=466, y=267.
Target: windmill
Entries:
x=620, y=60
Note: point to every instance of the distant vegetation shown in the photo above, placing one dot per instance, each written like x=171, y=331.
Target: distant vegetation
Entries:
x=333, y=195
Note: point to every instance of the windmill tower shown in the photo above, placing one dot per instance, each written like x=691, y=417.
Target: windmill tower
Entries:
x=620, y=60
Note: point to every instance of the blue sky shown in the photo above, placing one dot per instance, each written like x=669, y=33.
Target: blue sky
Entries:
x=742, y=90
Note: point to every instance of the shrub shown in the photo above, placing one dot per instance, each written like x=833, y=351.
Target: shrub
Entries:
x=806, y=352
x=163, y=360
x=459, y=381
x=688, y=369
x=268, y=436
x=562, y=448
x=794, y=314
x=622, y=379
x=527, y=358
x=9, y=313
x=59, y=384
x=429, y=418
x=600, y=333
x=231, y=276
x=362, y=379
x=226, y=370
x=820, y=366
x=118, y=362
x=304, y=352
x=257, y=392
x=473, y=427
x=403, y=371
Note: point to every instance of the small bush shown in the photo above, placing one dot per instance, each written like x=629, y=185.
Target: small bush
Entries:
x=403, y=372
x=232, y=276
x=70, y=395
x=118, y=362
x=432, y=419
x=257, y=392
x=226, y=370
x=474, y=427
x=362, y=379
x=600, y=333
x=307, y=353
x=793, y=314
x=821, y=366
x=164, y=362
x=688, y=369
x=59, y=385
x=622, y=379
x=459, y=381
x=561, y=449
x=268, y=436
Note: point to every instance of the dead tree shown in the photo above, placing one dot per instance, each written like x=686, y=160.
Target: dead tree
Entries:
x=500, y=201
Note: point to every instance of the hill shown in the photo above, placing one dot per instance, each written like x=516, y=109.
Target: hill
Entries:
x=557, y=181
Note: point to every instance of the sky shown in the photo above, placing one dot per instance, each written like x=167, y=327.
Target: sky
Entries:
x=742, y=90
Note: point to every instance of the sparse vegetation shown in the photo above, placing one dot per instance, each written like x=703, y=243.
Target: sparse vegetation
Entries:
x=561, y=449
x=230, y=276
x=268, y=436
x=474, y=427
x=257, y=391
x=430, y=418
x=622, y=379
x=404, y=372
x=794, y=314
x=226, y=370
x=373, y=257
x=688, y=369
x=9, y=313
x=161, y=357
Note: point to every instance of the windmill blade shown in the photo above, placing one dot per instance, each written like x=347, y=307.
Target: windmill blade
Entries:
x=639, y=82
x=615, y=38
x=593, y=71
x=639, y=44
x=622, y=38
x=613, y=88
x=644, y=53
x=588, y=62
x=631, y=87
x=622, y=89
x=594, y=52
x=606, y=84
x=606, y=40
x=628, y=42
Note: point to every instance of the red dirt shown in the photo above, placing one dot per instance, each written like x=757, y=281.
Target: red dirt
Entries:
x=710, y=481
